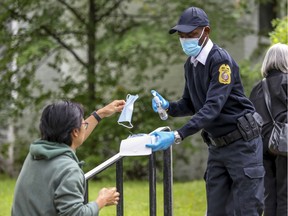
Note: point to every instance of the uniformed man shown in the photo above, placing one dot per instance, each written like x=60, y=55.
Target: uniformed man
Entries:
x=214, y=97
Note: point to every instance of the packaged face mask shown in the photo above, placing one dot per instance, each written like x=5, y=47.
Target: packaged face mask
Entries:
x=126, y=114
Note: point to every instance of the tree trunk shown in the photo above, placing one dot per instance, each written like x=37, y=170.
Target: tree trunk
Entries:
x=7, y=162
x=10, y=161
x=91, y=37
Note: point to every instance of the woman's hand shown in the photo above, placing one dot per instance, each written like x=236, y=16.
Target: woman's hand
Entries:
x=107, y=196
x=111, y=108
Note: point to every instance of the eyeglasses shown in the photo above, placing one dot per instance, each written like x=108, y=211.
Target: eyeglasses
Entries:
x=85, y=125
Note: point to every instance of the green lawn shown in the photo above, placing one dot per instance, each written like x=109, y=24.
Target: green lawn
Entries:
x=189, y=198
x=6, y=195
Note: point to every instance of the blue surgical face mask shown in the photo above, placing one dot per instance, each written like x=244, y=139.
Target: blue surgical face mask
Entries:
x=191, y=46
x=126, y=114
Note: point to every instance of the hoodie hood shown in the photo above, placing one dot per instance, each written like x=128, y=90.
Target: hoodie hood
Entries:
x=45, y=150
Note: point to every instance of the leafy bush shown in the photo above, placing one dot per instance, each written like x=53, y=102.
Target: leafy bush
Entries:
x=280, y=33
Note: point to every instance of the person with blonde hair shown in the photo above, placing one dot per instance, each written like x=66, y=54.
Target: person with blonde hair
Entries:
x=275, y=70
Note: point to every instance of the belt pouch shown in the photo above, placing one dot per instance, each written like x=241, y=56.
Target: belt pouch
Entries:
x=205, y=137
x=244, y=128
x=253, y=124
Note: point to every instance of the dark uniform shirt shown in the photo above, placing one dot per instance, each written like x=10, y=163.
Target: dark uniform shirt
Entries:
x=214, y=94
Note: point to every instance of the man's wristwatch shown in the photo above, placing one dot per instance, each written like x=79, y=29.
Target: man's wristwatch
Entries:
x=177, y=137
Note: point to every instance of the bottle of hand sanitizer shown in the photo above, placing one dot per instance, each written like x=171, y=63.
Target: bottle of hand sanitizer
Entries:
x=162, y=113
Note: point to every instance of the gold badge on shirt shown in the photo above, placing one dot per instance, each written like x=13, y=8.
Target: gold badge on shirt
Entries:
x=224, y=74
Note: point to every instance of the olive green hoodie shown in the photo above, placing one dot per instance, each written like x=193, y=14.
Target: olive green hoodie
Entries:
x=50, y=183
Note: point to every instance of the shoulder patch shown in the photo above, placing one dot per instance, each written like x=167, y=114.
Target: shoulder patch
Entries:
x=224, y=74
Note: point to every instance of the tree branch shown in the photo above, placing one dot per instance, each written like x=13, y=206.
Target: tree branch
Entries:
x=48, y=31
x=126, y=29
x=109, y=10
x=58, y=39
x=70, y=33
x=73, y=11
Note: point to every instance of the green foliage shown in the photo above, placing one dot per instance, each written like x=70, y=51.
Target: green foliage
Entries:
x=98, y=51
x=280, y=33
x=250, y=71
x=250, y=74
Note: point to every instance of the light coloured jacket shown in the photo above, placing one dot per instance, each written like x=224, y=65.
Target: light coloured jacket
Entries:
x=50, y=183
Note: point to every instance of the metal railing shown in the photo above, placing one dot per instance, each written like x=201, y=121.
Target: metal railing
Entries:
x=167, y=180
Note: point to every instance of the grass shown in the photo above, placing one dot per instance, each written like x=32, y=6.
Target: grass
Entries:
x=188, y=198
x=6, y=194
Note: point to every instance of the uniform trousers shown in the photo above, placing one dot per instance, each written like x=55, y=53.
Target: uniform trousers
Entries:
x=235, y=179
x=275, y=183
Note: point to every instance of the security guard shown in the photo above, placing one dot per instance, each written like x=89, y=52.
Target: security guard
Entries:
x=213, y=94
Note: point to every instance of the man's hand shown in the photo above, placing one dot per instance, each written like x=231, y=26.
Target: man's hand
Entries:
x=107, y=196
x=163, y=140
x=164, y=103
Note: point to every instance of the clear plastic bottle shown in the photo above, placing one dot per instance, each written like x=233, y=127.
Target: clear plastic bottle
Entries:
x=162, y=113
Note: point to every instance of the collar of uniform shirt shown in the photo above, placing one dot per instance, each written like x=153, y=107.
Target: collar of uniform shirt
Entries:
x=202, y=57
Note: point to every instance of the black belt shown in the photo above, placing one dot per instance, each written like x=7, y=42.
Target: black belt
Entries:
x=226, y=139
x=248, y=128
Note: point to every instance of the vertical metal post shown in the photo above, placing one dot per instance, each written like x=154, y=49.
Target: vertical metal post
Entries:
x=119, y=186
x=152, y=184
x=168, y=182
x=86, y=193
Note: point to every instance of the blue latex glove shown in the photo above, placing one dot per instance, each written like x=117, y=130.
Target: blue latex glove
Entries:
x=163, y=140
x=164, y=103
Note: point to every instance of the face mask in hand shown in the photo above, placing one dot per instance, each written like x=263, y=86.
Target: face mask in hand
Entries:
x=126, y=114
x=191, y=46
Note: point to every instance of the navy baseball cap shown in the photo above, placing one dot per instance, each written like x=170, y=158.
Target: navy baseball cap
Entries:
x=190, y=19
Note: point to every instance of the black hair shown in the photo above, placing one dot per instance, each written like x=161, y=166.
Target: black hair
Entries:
x=59, y=119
